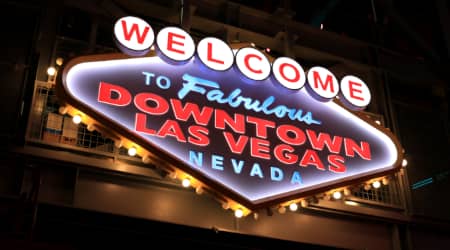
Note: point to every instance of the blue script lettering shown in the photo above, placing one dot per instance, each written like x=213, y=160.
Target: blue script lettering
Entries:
x=235, y=99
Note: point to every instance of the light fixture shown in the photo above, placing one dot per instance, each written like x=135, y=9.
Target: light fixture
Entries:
x=347, y=191
x=378, y=122
x=146, y=159
x=238, y=213
x=404, y=163
x=255, y=216
x=59, y=61
x=304, y=203
x=90, y=127
x=51, y=71
x=186, y=182
x=76, y=119
x=132, y=151
x=118, y=143
x=226, y=205
x=321, y=26
x=367, y=187
x=385, y=181
x=376, y=184
x=282, y=209
x=173, y=175
x=199, y=190
x=293, y=207
x=63, y=110
x=337, y=195
x=351, y=203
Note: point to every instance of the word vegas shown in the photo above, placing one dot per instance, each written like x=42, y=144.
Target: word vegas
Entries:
x=135, y=37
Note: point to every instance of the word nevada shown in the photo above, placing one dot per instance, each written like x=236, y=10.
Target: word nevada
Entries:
x=135, y=37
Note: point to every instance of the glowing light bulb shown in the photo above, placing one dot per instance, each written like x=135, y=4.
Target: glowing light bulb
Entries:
x=282, y=210
x=146, y=159
x=238, y=213
x=186, y=182
x=59, y=61
x=51, y=71
x=304, y=203
x=337, y=195
x=293, y=207
x=90, y=127
x=385, y=181
x=404, y=163
x=378, y=122
x=132, y=151
x=376, y=184
x=63, y=110
x=76, y=119
x=199, y=190
x=118, y=143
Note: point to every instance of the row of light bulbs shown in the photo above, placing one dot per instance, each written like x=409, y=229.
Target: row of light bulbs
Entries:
x=239, y=210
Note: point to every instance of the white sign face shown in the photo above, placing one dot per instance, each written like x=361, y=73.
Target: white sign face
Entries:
x=323, y=83
x=175, y=44
x=288, y=73
x=133, y=35
x=356, y=92
x=215, y=54
x=253, y=64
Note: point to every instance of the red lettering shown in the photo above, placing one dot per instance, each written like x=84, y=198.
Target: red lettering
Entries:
x=362, y=150
x=105, y=91
x=261, y=125
x=210, y=58
x=172, y=128
x=140, y=124
x=318, y=142
x=191, y=109
x=171, y=42
x=284, y=130
x=259, y=148
x=281, y=155
x=237, y=123
x=297, y=73
x=236, y=146
x=247, y=64
x=328, y=81
x=199, y=135
x=336, y=164
x=352, y=90
x=134, y=29
x=311, y=158
x=161, y=105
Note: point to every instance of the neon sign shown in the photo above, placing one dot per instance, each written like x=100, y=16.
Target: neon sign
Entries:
x=258, y=132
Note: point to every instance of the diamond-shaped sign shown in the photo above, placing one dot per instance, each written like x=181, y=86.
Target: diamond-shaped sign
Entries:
x=254, y=142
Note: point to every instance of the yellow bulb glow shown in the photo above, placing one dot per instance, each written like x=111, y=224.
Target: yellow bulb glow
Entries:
x=337, y=195
x=293, y=207
x=186, y=183
x=238, y=213
x=282, y=210
x=132, y=151
x=376, y=184
x=404, y=163
x=199, y=190
x=51, y=71
x=351, y=203
x=76, y=119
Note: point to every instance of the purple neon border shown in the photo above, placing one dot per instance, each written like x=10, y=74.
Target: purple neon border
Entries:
x=388, y=163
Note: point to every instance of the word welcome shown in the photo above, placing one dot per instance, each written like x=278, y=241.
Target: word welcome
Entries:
x=135, y=37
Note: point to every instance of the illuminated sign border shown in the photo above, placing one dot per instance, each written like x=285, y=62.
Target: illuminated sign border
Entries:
x=178, y=164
